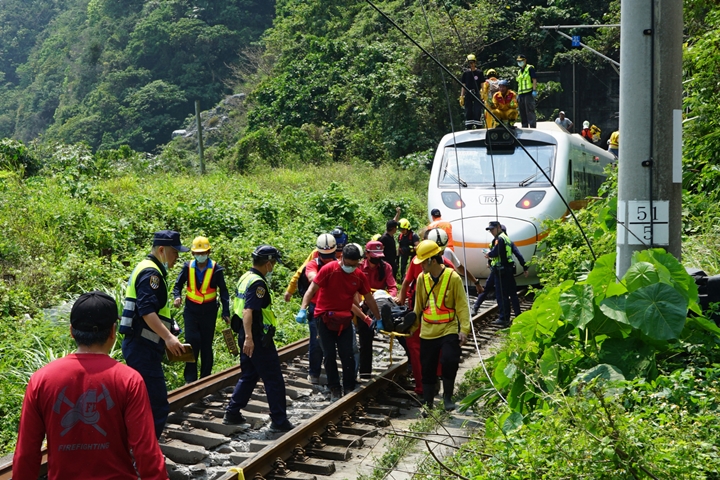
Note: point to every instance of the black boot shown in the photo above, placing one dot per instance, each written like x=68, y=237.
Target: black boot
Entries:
x=428, y=395
x=448, y=386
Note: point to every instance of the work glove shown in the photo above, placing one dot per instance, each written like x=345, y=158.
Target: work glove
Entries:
x=301, y=316
x=462, y=101
x=534, y=94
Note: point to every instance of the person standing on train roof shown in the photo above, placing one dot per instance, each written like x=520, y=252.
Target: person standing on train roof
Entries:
x=259, y=358
x=585, y=132
x=443, y=318
x=147, y=324
x=527, y=92
x=487, y=91
x=205, y=283
x=336, y=285
x=88, y=399
x=326, y=249
x=504, y=103
x=380, y=276
x=614, y=143
x=407, y=241
x=438, y=222
x=564, y=122
x=501, y=261
x=471, y=79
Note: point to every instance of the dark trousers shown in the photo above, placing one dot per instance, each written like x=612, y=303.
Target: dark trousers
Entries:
x=490, y=285
x=146, y=357
x=444, y=350
x=366, y=335
x=199, y=332
x=505, y=289
x=403, y=265
x=526, y=105
x=314, y=350
x=264, y=364
x=330, y=341
x=473, y=110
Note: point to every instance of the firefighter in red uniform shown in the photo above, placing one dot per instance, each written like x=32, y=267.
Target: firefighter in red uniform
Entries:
x=205, y=279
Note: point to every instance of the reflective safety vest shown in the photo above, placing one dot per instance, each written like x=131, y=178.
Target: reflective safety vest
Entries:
x=614, y=141
x=524, y=81
x=205, y=294
x=127, y=325
x=508, y=251
x=436, y=312
x=239, y=301
x=448, y=229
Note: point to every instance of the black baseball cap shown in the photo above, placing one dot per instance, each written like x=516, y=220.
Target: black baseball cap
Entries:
x=93, y=312
x=267, y=252
x=435, y=212
x=169, y=238
x=492, y=225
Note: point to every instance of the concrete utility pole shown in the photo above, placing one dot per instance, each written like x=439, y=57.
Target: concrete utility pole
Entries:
x=650, y=169
x=201, y=149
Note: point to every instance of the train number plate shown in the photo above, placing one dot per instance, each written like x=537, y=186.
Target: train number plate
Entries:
x=491, y=199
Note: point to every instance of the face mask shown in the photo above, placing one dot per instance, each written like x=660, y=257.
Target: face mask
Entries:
x=164, y=262
x=375, y=261
x=201, y=258
x=348, y=269
x=268, y=276
x=520, y=64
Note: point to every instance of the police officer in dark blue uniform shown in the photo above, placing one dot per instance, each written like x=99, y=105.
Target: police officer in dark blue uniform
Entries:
x=147, y=324
x=255, y=323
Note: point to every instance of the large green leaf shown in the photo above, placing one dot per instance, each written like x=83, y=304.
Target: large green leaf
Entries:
x=614, y=307
x=602, y=275
x=631, y=355
x=605, y=372
x=577, y=305
x=671, y=271
x=538, y=323
x=550, y=367
x=511, y=421
x=640, y=275
x=658, y=311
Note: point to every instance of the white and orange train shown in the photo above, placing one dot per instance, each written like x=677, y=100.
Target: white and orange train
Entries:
x=473, y=183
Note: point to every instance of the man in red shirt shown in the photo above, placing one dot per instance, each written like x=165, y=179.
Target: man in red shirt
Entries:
x=336, y=285
x=94, y=410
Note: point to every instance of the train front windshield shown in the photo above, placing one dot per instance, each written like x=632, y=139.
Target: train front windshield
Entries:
x=472, y=165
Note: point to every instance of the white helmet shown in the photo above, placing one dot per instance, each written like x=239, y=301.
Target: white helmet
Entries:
x=326, y=243
x=359, y=247
x=439, y=236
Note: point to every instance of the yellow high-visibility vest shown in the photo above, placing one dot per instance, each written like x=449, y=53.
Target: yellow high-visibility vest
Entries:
x=205, y=294
x=435, y=311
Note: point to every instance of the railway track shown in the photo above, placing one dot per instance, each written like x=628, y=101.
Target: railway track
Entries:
x=197, y=445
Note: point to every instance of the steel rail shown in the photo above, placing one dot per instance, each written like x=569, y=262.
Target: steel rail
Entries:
x=283, y=447
x=190, y=393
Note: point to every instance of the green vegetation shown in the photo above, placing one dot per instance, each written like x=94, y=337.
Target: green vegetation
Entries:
x=85, y=221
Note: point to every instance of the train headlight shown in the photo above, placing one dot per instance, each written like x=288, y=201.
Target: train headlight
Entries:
x=452, y=200
x=531, y=199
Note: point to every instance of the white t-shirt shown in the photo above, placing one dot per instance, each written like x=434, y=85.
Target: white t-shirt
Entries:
x=450, y=255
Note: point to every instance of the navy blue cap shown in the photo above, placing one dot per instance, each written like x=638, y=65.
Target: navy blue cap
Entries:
x=492, y=225
x=168, y=238
x=267, y=252
x=93, y=312
x=435, y=212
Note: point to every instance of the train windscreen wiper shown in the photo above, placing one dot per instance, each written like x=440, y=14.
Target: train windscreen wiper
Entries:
x=458, y=180
x=531, y=178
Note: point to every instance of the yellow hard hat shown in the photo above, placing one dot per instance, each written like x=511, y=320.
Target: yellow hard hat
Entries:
x=425, y=250
x=490, y=72
x=471, y=58
x=404, y=223
x=375, y=237
x=200, y=244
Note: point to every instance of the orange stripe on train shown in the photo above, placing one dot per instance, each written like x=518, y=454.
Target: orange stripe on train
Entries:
x=519, y=243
